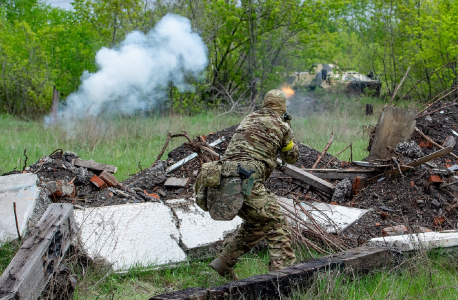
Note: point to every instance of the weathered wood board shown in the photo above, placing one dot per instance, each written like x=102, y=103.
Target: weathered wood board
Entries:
x=40, y=254
x=283, y=283
x=340, y=174
x=175, y=182
x=308, y=178
x=92, y=165
x=395, y=125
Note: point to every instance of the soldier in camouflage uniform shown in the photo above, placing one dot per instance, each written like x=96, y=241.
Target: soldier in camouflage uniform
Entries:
x=255, y=144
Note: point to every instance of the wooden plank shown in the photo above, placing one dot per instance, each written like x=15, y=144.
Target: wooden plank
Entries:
x=286, y=282
x=395, y=125
x=429, y=157
x=40, y=254
x=175, y=182
x=308, y=178
x=340, y=174
x=95, y=166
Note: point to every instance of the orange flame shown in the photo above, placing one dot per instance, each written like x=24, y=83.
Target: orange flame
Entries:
x=289, y=92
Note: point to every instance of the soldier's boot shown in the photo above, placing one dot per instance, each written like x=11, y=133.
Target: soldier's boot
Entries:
x=223, y=269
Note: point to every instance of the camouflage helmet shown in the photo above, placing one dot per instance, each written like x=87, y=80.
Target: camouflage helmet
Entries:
x=275, y=100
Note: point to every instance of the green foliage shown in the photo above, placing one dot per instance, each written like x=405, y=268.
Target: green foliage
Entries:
x=251, y=45
x=40, y=47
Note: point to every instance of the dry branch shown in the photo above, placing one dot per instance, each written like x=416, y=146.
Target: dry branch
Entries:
x=324, y=151
x=399, y=85
x=433, y=142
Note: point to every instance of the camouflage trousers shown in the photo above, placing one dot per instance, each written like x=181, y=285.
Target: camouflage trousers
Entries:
x=262, y=219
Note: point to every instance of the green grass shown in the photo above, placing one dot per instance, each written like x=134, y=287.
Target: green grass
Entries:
x=134, y=142
x=424, y=276
x=125, y=142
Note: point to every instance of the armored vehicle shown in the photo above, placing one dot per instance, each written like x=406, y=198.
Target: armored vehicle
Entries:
x=331, y=77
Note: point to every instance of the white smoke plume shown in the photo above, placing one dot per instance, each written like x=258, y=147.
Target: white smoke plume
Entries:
x=133, y=76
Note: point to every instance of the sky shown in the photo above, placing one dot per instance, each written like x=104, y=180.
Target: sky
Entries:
x=65, y=4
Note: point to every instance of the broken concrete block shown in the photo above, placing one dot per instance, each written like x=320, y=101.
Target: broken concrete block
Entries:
x=149, y=234
x=342, y=192
x=334, y=218
x=410, y=242
x=130, y=235
x=395, y=230
x=175, y=182
x=197, y=228
x=22, y=189
x=109, y=179
x=60, y=189
x=98, y=182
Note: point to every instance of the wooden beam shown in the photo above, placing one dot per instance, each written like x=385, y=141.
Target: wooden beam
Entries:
x=286, y=282
x=340, y=174
x=429, y=157
x=308, y=178
x=395, y=125
x=95, y=166
x=40, y=254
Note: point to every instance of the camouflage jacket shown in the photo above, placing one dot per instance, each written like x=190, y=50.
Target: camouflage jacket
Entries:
x=261, y=136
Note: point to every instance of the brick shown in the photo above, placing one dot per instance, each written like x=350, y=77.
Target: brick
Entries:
x=61, y=189
x=358, y=184
x=98, y=182
x=395, y=230
x=109, y=179
x=435, y=179
x=154, y=195
x=439, y=220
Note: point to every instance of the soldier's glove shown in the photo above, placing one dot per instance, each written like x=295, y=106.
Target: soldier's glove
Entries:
x=287, y=118
x=282, y=166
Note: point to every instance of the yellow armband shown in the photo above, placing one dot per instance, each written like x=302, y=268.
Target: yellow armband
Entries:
x=288, y=147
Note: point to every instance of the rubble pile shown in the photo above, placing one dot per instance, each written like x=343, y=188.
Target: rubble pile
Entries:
x=438, y=125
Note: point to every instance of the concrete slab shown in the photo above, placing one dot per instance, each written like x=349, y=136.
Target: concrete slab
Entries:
x=411, y=242
x=130, y=235
x=149, y=233
x=22, y=189
x=198, y=229
x=334, y=218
